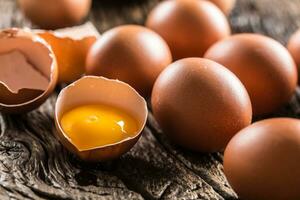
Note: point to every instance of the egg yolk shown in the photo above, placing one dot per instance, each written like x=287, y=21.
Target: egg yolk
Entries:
x=91, y=126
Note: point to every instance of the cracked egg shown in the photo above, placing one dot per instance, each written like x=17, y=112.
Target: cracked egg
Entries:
x=70, y=46
x=28, y=70
x=99, y=119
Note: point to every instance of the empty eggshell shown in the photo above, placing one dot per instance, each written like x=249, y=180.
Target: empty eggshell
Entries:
x=225, y=5
x=130, y=53
x=53, y=14
x=262, y=161
x=294, y=48
x=99, y=90
x=200, y=104
x=70, y=46
x=263, y=65
x=28, y=73
x=189, y=27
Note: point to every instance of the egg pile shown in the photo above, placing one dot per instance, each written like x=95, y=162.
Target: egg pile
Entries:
x=204, y=84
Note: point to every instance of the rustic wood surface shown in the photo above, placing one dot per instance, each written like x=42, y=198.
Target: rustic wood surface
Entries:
x=34, y=165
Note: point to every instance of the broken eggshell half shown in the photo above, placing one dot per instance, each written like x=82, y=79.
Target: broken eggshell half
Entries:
x=103, y=91
x=70, y=46
x=28, y=70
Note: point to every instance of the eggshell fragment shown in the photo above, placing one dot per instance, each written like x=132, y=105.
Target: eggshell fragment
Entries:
x=263, y=65
x=189, y=27
x=200, y=104
x=225, y=5
x=130, y=53
x=262, y=161
x=53, y=14
x=28, y=72
x=294, y=48
x=99, y=90
x=70, y=46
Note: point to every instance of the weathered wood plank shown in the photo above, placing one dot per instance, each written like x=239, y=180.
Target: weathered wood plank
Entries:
x=34, y=165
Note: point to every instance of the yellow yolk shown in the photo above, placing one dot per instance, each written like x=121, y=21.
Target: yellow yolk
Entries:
x=91, y=126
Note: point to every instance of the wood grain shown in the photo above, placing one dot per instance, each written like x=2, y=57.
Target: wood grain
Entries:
x=34, y=165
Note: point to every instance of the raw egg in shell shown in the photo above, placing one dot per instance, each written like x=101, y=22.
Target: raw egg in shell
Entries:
x=262, y=161
x=263, y=65
x=200, y=104
x=99, y=119
x=189, y=27
x=53, y=14
x=130, y=53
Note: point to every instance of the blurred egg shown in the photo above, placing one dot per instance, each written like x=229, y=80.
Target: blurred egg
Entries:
x=99, y=91
x=294, y=48
x=130, y=53
x=263, y=65
x=70, y=46
x=262, y=161
x=28, y=71
x=225, y=5
x=53, y=14
x=200, y=104
x=189, y=27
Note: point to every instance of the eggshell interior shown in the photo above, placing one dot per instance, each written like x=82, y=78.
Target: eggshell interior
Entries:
x=20, y=84
x=78, y=32
x=15, y=64
x=99, y=90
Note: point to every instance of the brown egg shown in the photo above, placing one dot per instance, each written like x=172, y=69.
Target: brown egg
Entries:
x=98, y=90
x=200, y=104
x=263, y=160
x=53, y=14
x=70, y=46
x=28, y=71
x=225, y=5
x=189, y=27
x=263, y=65
x=130, y=53
x=294, y=48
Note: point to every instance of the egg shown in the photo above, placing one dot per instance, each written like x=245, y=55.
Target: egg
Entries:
x=53, y=14
x=189, y=27
x=130, y=53
x=262, y=161
x=294, y=48
x=28, y=71
x=70, y=46
x=263, y=65
x=200, y=104
x=81, y=105
x=225, y=5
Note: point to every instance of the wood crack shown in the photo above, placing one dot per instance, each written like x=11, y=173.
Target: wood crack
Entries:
x=202, y=174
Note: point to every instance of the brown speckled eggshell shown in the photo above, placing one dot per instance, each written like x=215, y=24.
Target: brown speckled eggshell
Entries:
x=130, y=53
x=294, y=48
x=262, y=162
x=200, y=104
x=263, y=65
x=190, y=27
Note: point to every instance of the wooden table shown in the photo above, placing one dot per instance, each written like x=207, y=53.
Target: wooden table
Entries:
x=34, y=165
